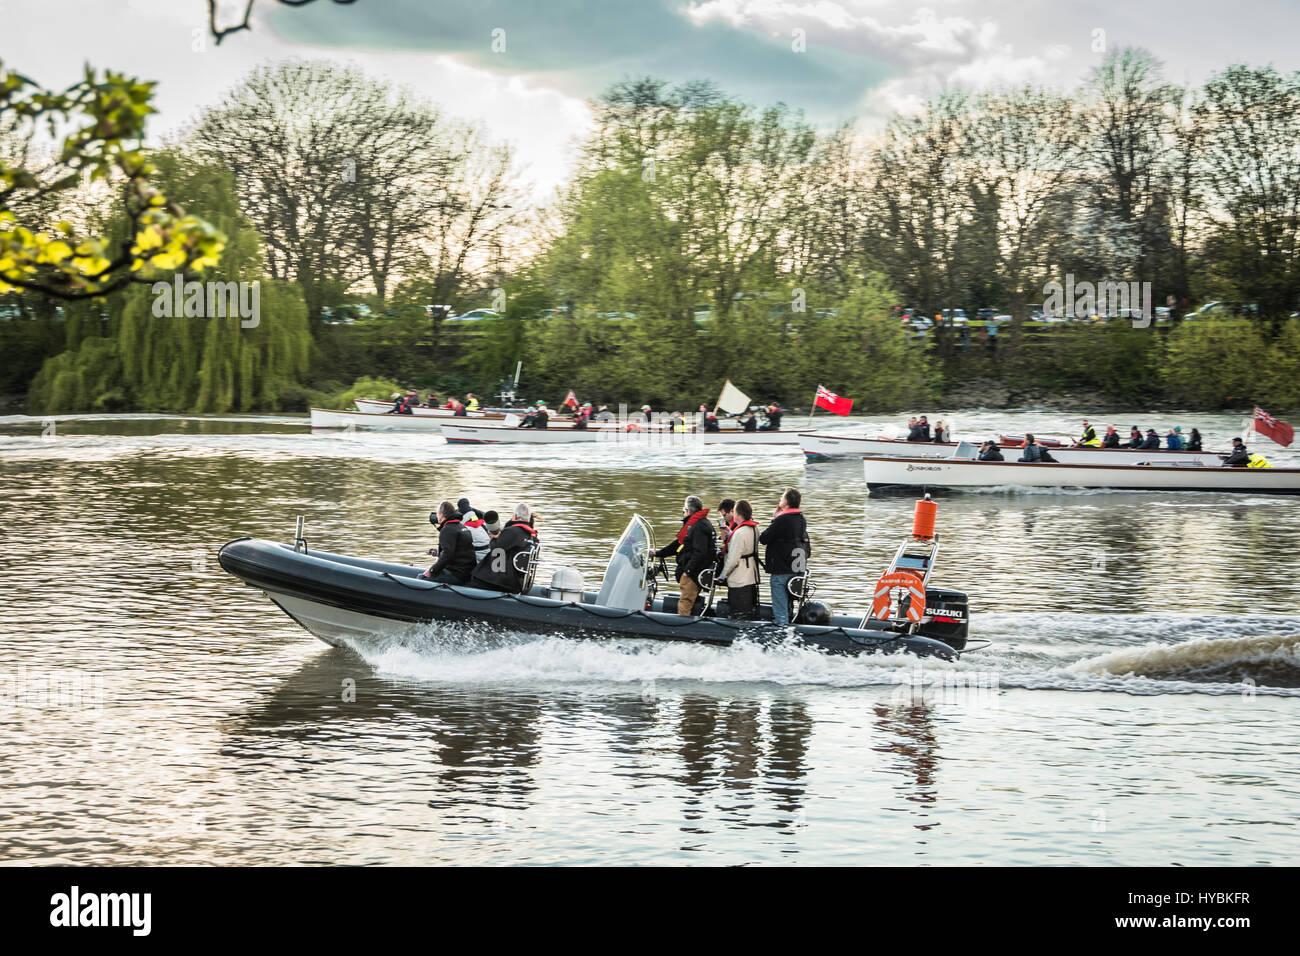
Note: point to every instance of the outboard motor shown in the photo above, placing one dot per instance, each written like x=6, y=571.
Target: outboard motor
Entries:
x=946, y=617
x=566, y=585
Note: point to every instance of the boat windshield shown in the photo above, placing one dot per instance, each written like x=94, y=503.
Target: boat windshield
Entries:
x=627, y=577
x=966, y=450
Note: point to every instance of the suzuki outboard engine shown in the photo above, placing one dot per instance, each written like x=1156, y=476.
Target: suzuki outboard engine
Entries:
x=945, y=616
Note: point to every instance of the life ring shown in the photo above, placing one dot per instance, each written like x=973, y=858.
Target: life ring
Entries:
x=882, y=602
x=631, y=427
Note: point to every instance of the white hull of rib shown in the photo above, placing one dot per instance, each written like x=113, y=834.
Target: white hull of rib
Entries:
x=817, y=445
x=613, y=434
x=884, y=473
x=335, y=625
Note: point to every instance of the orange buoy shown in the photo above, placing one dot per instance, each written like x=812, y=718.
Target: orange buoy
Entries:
x=882, y=601
x=923, y=519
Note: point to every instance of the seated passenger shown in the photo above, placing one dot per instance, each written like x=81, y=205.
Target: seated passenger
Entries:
x=1239, y=457
x=1152, y=441
x=749, y=423
x=455, y=552
x=473, y=519
x=773, y=423
x=497, y=571
x=1174, y=439
x=603, y=414
x=1111, y=438
x=920, y=431
x=941, y=435
x=1134, y=438
x=989, y=451
x=1033, y=451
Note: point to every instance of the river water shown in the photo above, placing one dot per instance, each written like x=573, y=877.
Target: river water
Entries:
x=1138, y=704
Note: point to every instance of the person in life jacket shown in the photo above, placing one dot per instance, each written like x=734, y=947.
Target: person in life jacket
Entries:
x=582, y=415
x=537, y=418
x=471, y=401
x=788, y=549
x=677, y=423
x=773, y=423
x=473, y=520
x=1134, y=437
x=455, y=551
x=1239, y=457
x=740, y=563
x=694, y=548
x=1152, y=441
x=1111, y=438
x=497, y=571
x=1174, y=439
x=708, y=421
x=941, y=434
x=920, y=431
x=1089, y=436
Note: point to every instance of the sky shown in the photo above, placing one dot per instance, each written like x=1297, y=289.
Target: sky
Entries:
x=525, y=69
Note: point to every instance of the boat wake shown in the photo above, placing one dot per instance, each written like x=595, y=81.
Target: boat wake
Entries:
x=1267, y=665
x=1272, y=661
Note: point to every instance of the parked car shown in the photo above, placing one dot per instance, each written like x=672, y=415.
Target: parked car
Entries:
x=474, y=315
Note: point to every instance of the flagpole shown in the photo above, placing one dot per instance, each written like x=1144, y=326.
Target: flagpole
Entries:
x=813, y=410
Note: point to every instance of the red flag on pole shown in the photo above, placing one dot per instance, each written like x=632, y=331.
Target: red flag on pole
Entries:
x=831, y=402
x=571, y=400
x=1270, y=427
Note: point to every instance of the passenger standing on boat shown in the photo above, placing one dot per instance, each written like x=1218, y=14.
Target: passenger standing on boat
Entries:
x=647, y=416
x=1089, y=437
x=1174, y=439
x=787, y=553
x=1239, y=457
x=1134, y=437
x=941, y=435
x=497, y=571
x=455, y=548
x=1194, y=443
x=727, y=524
x=921, y=430
x=581, y=416
x=1111, y=439
x=989, y=451
x=740, y=564
x=695, y=549
x=1152, y=441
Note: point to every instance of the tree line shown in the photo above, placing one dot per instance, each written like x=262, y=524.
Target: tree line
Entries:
x=699, y=238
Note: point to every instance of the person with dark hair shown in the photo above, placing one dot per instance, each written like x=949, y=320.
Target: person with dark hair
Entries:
x=695, y=549
x=1152, y=441
x=941, y=433
x=473, y=521
x=727, y=515
x=708, y=421
x=1239, y=457
x=989, y=451
x=1194, y=442
x=740, y=564
x=1134, y=437
x=749, y=423
x=455, y=551
x=773, y=423
x=492, y=522
x=920, y=431
x=787, y=553
x=497, y=570
x=1033, y=452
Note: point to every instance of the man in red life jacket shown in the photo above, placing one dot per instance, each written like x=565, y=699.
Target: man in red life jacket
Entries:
x=695, y=549
x=497, y=571
x=788, y=551
x=740, y=563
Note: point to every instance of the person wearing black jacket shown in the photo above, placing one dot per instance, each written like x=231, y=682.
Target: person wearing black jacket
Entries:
x=1134, y=438
x=455, y=548
x=773, y=423
x=1111, y=438
x=920, y=431
x=787, y=553
x=695, y=548
x=1152, y=441
x=989, y=451
x=1239, y=457
x=497, y=571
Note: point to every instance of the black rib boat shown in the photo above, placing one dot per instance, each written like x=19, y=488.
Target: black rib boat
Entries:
x=345, y=601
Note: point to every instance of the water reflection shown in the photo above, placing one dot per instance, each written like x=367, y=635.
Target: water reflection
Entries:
x=908, y=732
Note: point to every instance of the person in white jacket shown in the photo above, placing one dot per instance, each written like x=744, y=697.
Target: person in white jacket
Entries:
x=740, y=564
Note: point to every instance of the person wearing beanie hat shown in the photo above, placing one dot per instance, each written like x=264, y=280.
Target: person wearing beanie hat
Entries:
x=472, y=519
x=1152, y=440
x=492, y=521
x=1174, y=439
x=1134, y=437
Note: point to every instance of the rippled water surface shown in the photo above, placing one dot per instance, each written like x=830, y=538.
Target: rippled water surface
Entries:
x=1139, y=704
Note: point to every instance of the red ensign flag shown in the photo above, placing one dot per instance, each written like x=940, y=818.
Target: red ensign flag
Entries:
x=831, y=402
x=1270, y=427
x=571, y=400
